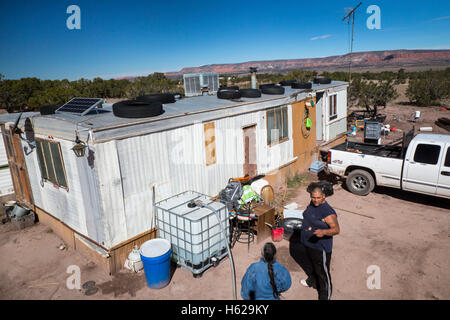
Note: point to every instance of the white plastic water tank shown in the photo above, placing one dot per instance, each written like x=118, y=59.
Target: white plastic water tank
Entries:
x=258, y=185
x=194, y=232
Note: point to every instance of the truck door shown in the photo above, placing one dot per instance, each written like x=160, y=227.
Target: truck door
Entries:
x=422, y=167
x=443, y=187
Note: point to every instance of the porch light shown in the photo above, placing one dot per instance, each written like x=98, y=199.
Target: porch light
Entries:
x=79, y=148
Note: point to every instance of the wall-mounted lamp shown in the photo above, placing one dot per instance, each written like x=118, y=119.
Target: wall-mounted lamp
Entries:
x=79, y=148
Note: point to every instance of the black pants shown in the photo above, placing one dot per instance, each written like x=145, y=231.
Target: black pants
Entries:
x=316, y=265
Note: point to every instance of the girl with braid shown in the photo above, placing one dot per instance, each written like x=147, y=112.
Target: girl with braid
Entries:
x=266, y=279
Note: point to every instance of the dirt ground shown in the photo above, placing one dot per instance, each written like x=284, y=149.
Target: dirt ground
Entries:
x=406, y=235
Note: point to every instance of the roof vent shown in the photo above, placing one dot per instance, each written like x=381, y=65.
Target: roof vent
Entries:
x=198, y=84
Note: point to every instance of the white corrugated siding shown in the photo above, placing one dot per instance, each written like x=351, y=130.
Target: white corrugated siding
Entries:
x=3, y=156
x=336, y=128
x=175, y=161
x=6, y=184
x=79, y=206
x=339, y=125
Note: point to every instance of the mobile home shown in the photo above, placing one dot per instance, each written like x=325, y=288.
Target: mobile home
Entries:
x=102, y=201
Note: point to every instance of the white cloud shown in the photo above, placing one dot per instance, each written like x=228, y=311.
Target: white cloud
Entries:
x=440, y=18
x=325, y=36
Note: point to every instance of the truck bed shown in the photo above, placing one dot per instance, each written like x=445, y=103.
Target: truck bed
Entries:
x=386, y=151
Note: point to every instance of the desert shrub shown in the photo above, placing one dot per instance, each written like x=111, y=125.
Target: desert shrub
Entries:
x=428, y=91
x=369, y=93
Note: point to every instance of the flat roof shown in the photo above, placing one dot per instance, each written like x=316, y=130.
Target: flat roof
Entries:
x=183, y=112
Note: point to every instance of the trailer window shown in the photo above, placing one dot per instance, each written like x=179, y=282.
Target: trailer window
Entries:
x=50, y=162
x=277, y=125
x=427, y=153
x=333, y=107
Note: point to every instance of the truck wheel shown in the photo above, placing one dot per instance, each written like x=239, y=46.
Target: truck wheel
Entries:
x=360, y=182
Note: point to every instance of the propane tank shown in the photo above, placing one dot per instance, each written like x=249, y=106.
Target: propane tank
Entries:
x=134, y=262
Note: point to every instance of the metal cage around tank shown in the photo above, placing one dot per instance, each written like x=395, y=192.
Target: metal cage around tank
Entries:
x=197, y=240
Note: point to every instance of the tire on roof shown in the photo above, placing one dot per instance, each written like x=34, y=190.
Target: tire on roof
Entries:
x=322, y=80
x=228, y=94
x=137, y=109
x=267, y=85
x=161, y=97
x=286, y=83
x=273, y=90
x=250, y=93
x=49, y=109
x=301, y=85
x=228, y=88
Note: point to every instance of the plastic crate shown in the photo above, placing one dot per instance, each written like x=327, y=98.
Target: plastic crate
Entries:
x=316, y=166
x=372, y=130
x=195, y=234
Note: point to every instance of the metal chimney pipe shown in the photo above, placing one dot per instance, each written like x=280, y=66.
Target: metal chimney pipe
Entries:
x=253, y=74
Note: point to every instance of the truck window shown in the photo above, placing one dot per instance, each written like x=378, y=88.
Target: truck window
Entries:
x=427, y=153
x=447, y=158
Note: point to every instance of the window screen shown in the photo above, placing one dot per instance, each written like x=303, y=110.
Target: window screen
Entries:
x=50, y=162
x=277, y=124
x=270, y=126
x=41, y=160
x=285, y=122
x=427, y=153
x=333, y=107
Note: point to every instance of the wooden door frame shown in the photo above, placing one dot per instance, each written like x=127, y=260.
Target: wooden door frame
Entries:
x=18, y=167
x=250, y=167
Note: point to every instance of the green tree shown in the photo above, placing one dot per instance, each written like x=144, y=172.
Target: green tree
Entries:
x=428, y=91
x=369, y=94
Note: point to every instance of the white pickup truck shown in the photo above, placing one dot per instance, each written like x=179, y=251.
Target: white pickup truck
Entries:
x=420, y=164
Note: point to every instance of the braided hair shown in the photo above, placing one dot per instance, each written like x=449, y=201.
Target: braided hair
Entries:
x=269, y=252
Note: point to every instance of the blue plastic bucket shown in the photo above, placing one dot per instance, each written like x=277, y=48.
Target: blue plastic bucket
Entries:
x=155, y=256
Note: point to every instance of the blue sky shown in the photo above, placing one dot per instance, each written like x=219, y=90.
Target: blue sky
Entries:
x=121, y=38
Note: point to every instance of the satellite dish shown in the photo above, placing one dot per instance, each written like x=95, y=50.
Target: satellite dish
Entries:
x=29, y=132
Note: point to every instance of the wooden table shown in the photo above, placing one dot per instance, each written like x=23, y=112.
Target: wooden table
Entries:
x=265, y=214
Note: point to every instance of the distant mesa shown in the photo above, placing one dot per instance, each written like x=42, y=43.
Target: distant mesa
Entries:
x=371, y=59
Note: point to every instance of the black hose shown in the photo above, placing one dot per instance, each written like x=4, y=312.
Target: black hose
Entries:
x=233, y=272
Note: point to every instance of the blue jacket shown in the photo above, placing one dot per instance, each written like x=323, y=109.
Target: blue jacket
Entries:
x=256, y=280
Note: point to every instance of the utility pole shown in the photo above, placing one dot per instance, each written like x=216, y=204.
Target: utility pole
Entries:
x=351, y=15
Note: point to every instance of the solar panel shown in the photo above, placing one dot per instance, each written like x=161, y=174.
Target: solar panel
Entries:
x=80, y=106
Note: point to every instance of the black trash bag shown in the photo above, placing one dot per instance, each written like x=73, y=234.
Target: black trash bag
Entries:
x=231, y=195
x=326, y=186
